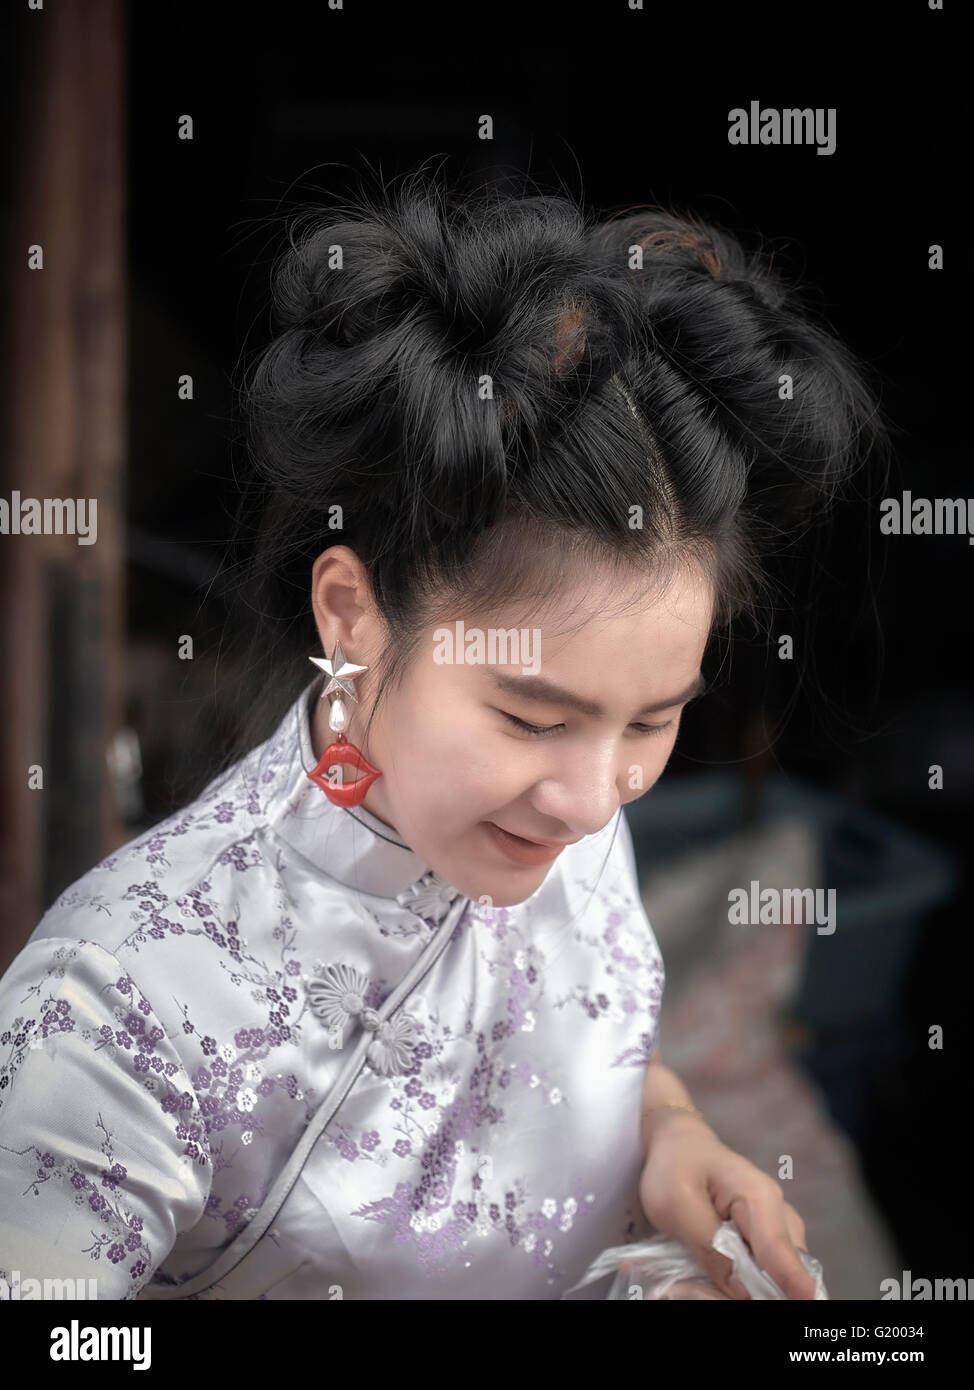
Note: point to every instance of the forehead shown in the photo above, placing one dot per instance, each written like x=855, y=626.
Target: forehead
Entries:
x=613, y=647
x=674, y=604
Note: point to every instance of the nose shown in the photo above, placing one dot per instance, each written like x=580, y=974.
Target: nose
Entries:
x=584, y=791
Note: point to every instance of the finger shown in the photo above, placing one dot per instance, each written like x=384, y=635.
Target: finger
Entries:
x=698, y=1224
x=776, y=1254
x=764, y=1220
x=796, y=1228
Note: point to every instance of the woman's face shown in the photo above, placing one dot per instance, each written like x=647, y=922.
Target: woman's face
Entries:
x=455, y=766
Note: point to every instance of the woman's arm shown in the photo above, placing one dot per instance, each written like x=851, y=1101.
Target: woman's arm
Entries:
x=662, y=1088
x=104, y=1158
x=691, y=1182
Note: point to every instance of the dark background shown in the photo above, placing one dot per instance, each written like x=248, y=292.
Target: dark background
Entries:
x=293, y=102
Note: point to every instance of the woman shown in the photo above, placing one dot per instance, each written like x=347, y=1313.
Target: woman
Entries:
x=376, y=1015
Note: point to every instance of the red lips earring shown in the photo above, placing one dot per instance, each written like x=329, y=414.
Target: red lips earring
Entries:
x=341, y=752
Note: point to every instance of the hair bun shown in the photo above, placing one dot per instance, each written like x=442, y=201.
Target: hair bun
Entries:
x=735, y=332
x=461, y=277
x=393, y=309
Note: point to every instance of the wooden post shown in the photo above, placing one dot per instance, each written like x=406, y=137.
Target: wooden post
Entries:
x=62, y=624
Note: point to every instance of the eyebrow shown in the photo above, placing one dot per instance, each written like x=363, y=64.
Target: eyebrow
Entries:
x=540, y=690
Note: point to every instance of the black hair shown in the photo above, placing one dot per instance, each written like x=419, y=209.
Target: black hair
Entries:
x=487, y=385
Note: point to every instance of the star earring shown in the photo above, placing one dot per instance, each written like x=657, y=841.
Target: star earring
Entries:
x=341, y=752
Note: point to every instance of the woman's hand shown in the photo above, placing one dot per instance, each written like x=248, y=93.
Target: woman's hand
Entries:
x=691, y=1183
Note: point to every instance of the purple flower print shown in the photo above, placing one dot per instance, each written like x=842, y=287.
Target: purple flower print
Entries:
x=116, y=1174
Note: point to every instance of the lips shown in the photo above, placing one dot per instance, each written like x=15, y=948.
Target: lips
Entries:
x=522, y=851
x=533, y=840
x=347, y=755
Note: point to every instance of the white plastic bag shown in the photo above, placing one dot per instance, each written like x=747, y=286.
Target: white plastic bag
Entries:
x=663, y=1268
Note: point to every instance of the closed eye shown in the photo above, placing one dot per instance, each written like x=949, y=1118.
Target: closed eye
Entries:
x=542, y=730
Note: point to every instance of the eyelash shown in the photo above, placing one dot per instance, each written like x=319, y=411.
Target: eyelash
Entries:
x=543, y=730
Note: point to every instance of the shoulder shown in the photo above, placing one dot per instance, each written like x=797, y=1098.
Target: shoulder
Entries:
x=57, y=985
x=166, y=866
x=185, y=905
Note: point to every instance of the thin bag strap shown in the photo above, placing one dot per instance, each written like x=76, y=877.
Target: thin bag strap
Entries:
x=244, y=1242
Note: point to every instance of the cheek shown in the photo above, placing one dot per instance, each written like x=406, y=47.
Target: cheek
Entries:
x=651, y=761
x=441, y=754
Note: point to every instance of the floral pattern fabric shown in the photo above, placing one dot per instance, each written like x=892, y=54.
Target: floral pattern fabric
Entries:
x=182, y=1010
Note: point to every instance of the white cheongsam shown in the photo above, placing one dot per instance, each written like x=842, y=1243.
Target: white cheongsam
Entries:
x=264, y=1051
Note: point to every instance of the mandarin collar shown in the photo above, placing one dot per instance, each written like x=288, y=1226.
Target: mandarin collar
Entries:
x=348, y=844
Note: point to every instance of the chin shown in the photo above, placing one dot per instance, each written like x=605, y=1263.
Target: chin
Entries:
x=510, y=892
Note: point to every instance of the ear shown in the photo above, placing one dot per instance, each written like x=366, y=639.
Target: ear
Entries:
x=341, y=597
